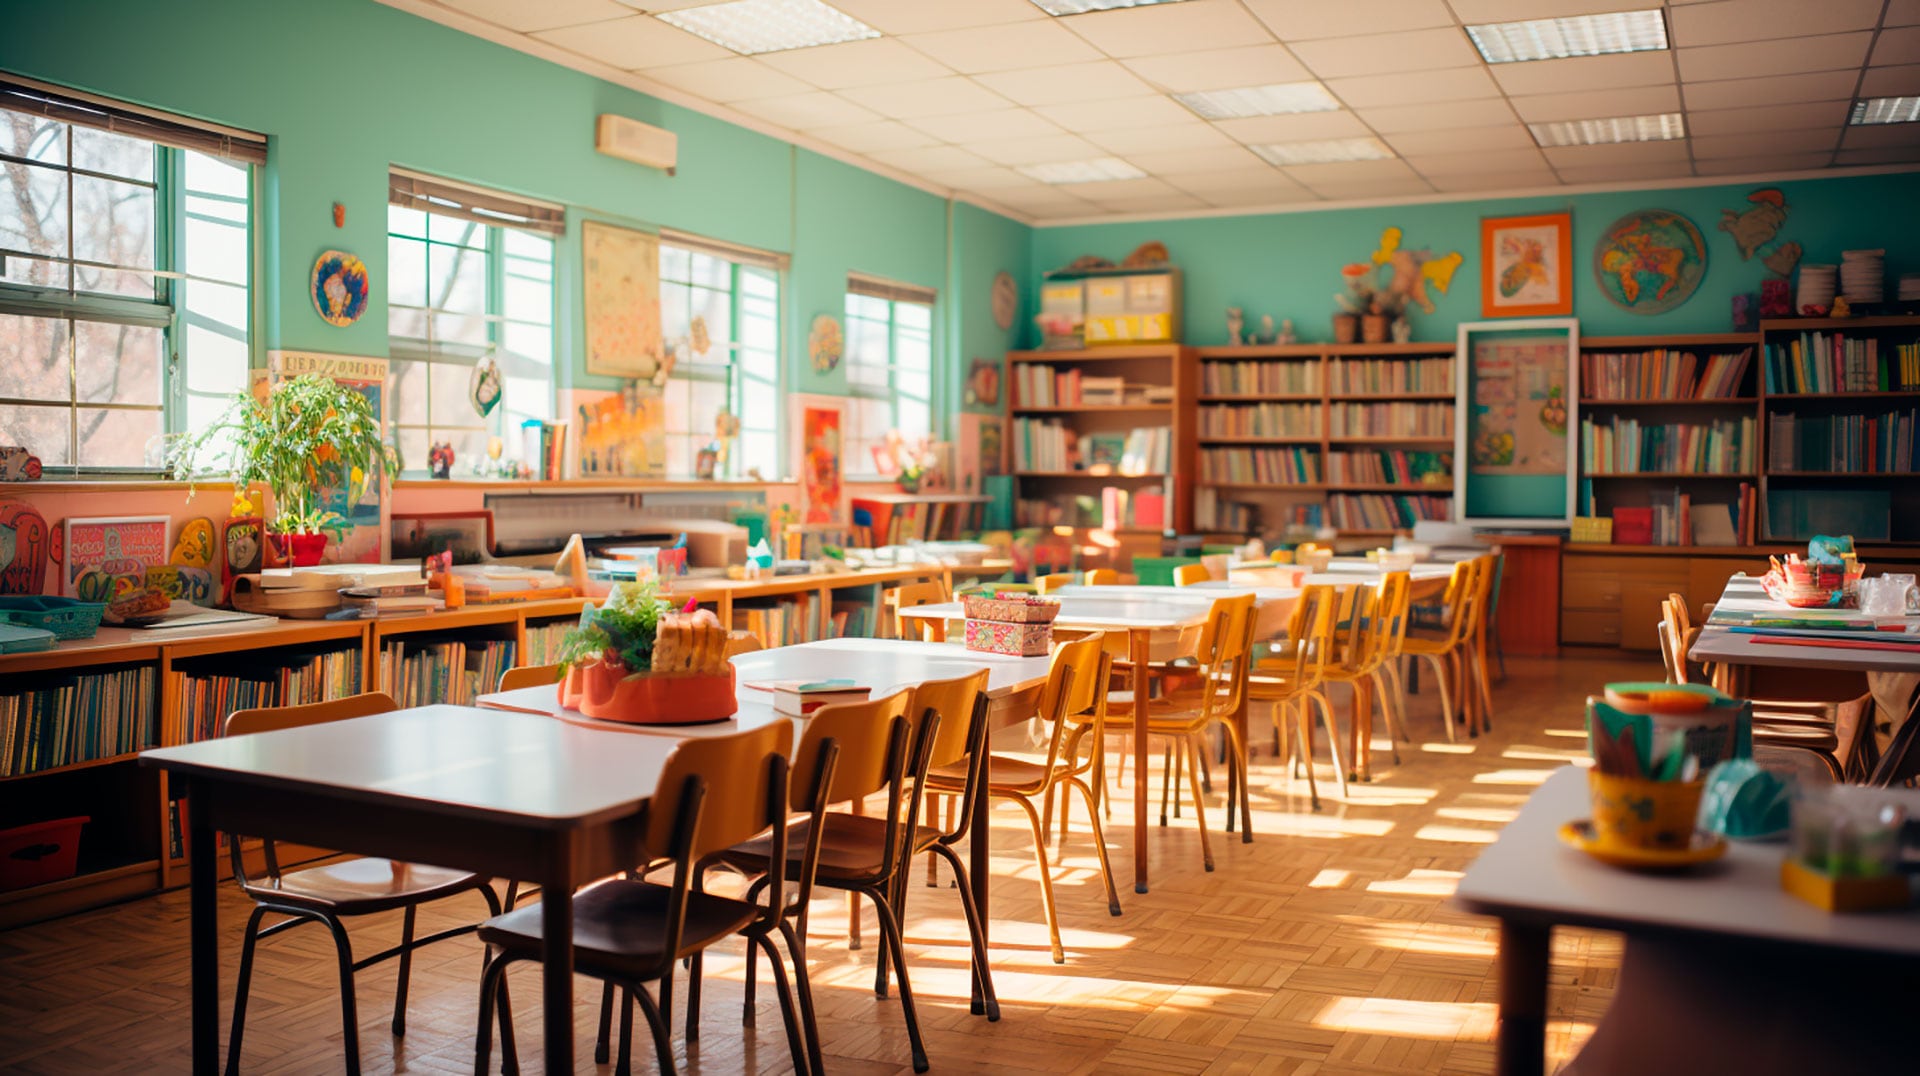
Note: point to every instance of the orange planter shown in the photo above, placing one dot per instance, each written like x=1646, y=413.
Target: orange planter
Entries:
x=605, y=691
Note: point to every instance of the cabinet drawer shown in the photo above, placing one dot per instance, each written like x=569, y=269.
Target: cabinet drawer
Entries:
x=1585, y=590
x=1581, y=628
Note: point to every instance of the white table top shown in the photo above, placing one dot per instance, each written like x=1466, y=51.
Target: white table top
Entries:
x=1167, y=608
x=1527, y=874
x=882, y=664
x=460, y=760
x=1719, y=645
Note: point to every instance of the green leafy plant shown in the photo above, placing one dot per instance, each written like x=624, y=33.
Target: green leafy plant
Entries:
x=308, y=437
x=625, y=624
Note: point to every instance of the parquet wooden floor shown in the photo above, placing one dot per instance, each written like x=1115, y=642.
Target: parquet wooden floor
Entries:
x=1326, y=946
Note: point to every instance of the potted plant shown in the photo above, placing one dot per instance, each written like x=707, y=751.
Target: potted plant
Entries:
x=306, y=438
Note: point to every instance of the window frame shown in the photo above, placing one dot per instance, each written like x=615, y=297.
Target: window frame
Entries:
x=740, y=263
x=862, y=467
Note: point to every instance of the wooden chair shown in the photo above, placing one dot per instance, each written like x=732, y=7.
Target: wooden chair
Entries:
x=1047, y=584
x=1444, y=645
x=1360, y=647
x=1102, y=577
x=1186, y=575
x=1073, y=707
x=330, y=892
x=864, y=854
x=907, y=596
x=712, y=793
x=1225, y=650
x=1288, y=679
x=529, y=676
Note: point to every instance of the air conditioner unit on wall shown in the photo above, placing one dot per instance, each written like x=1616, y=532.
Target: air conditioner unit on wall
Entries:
x=641, y=143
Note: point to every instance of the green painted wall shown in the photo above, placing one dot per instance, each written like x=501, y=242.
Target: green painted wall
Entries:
x=1288, y=264
x=346, y=88
x=985, y=244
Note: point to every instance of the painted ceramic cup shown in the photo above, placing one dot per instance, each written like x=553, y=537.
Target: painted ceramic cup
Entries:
x=1635, y=813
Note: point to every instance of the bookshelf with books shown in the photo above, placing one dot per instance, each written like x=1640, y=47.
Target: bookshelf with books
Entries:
x=1104, y=435
x=1356, y=436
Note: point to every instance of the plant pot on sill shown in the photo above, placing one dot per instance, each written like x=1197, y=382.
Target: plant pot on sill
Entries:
x=300, y=550
x=1374, y=328
x=1346, y=328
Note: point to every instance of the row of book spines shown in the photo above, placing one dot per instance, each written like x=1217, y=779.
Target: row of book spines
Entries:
x=1661, y=374
x=1380, y=511
x=1391, y=420
x=449, y=670
x=206, y=700
x=1260, y=465
x=543, y=641
x=1868, y=444
x=545, y=446
x=777, y=621
x=1822, y=362
x=1261, y=420
x=1211, y=512
x=1259, y=378
x=93, y=716
x=1387, y=465
x=1625, y=446
x=1393, y=375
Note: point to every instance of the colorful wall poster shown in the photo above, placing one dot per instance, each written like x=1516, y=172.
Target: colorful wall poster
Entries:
x=982, y=452
x=622, y=300
x=365, y=541
x=109, y=558
x=1514, y=460
x=1525, y=264
x=619, y=434
x=819, y=425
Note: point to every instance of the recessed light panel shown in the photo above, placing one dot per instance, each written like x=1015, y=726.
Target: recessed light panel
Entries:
x=1331, y=151
x=1579, y=35
x=1278, y=99
x=756, y=26
x=1661, y=128
x=1081, y=7
x=1885, y=110
x=1098, y=170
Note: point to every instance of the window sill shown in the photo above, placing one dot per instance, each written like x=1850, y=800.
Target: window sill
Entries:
x=582, y=485
x=110, y=485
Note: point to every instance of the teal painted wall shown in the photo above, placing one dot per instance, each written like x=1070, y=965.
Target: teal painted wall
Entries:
x=1288, y=264
x=985, y=244
x=346, y=88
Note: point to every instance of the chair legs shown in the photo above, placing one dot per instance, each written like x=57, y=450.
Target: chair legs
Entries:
x=240, y=988
x=983, y=973
x=1333, y=739
x=1199, y=801
x=1046, y=877
x=1446, y=696
x=349, y=1013
x=406, y=966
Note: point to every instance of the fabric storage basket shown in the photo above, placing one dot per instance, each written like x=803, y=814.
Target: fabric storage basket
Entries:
x=66, y=618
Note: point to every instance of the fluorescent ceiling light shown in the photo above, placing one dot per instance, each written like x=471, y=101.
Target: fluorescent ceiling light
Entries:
x=1661, y=128
x=756, y=26
x=1081, y=7
x=1885, y=110
x=1273, y=100
x=1329, y=152
x=1580, y=35
x=1098, y=170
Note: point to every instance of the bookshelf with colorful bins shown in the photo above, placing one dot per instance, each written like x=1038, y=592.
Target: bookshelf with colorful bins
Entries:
x=1090, y=420
x=1356, y=436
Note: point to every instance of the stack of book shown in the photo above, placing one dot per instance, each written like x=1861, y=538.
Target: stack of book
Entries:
x=1662, y=374
x=1149, y=450
x=1381, y=376
x=1860, y=444
x=274, y=678
x=544, y=445
x=1384, y=466
x=1836, y=362
x=543, y=640
x=1266, y=466
x=1040, y=445
x=1210, y=513
x=424, y=672
x=783, y=621
x=70, y=719
x=1261, y=420
x=1391, y=420
x=1141, y=509
x=1625, y=446
x=1260, y=378
x=1384, y=511
x=1103, y=391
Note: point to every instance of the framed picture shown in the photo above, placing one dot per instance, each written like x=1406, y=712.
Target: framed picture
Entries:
x=1516, y=418
x=980, y=452
x=1526, y=266
x=819, y=425
x=108, y=558
x=622, y=300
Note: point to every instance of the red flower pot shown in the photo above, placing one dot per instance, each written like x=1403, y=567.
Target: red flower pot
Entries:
x=300, y=550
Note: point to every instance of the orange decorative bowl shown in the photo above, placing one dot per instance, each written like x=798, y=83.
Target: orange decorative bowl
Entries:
x=604, y=690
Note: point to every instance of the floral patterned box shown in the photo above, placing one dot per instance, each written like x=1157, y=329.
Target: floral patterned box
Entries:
x=1005, y=637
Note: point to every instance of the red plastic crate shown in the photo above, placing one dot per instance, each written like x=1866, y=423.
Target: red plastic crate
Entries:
x=40, y=853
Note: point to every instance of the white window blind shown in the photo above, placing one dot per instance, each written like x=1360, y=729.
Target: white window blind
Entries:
x=19, y=94
x=445, y=198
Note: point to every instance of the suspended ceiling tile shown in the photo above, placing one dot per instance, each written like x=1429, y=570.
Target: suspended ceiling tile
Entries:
x=805, y=111
x=738, y=79
x=1498, y=160
x=1291, y=20
x=1762, y=165
x=1585, y=73
x=1632, y=153
x=1299, y=127
x=1755, y=143
x=1461, y=140
x=933, y=97
x=1385, y=91
x=1018, y=151
x=1349, y=190
x=1898, y=46
x=1222, y=159
x=1117, y=188
x=872, y=62
x=635, y=42
x=1827, y=114
x=983, y=178
x=1440, y=116
x=1161, y=28
x=1004, y=48
x=1108, y=115
x=1320, y=176
x=1195, y=135
x=1593, y=104
x=875, y=135
x=1760, y=58
x=1624, y=173
x=1728, y=21
x=1902, y=13
x=1041, y=199
x=1258, y=197
x=1170, y=202
x=1472, y=12
x=553, y=14
x=1882, y=155
x=1220, y=69
x=1211, y=181
x=1065, y=83
x=1882, y=136
x=924, y=16
x=1382, y=54
x=930, y=158
x=997, y=123
x=1901, y=81
x=1779, y=90
x=1513, y=180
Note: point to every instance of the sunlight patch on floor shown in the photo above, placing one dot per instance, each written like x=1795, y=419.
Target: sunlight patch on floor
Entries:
x=1449, y=748
x=1296, y=824
x=1419, y=882
x=1496, y=815
x=1424, y=938
x=1412, y=1019
x=1457, y=834
x=1530, y=753
x=1566, y=734
x=1512, y=777
x=1330, y=878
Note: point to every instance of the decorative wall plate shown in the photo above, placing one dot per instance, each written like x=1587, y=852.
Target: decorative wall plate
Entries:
x=1006, y=299
x=339, y=287
x=825, y=344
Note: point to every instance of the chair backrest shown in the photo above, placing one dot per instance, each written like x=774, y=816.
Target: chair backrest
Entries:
x=952, y=701
x=273, y=718
x=1072, y=684
x=529, y=676
x=1676, y=636
x=1102, y=577
x=1310, y=634
x=716, y=791
x=1047, y=584
x=1393, y=609
x=1462, y=591
x=907, y=596
x=1228, y=653
x=873, y=740
x=1186, y=575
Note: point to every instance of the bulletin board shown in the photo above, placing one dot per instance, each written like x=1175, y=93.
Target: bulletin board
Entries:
x=1516, y=422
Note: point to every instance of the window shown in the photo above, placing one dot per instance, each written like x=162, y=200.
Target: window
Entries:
x=733, y=362
x=125, y=260
x=469, y=276
x=889, y=368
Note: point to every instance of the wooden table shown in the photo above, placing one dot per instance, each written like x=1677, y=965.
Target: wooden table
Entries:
x=1716, y=936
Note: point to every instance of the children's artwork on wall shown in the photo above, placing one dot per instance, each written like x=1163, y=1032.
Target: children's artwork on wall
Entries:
x=619, y=434
x=983, y=383
x=182, y=582
x=1006, y=299
x=24, y=547
x=819, y=428
x=339, y=287
x=1513, y=440
x=242, y=547
x=17, y=464
x=622, y=300
x=1526, y=266
x=108, y=558
x=980, y=452
x=1755, y=226
x=1650, y=261
x=483, y=386
x=365, y=540
x=1413, y=271
x=825, y=343
x=193, y=546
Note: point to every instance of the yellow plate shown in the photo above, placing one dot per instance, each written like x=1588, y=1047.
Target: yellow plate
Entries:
x=1706, y=847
